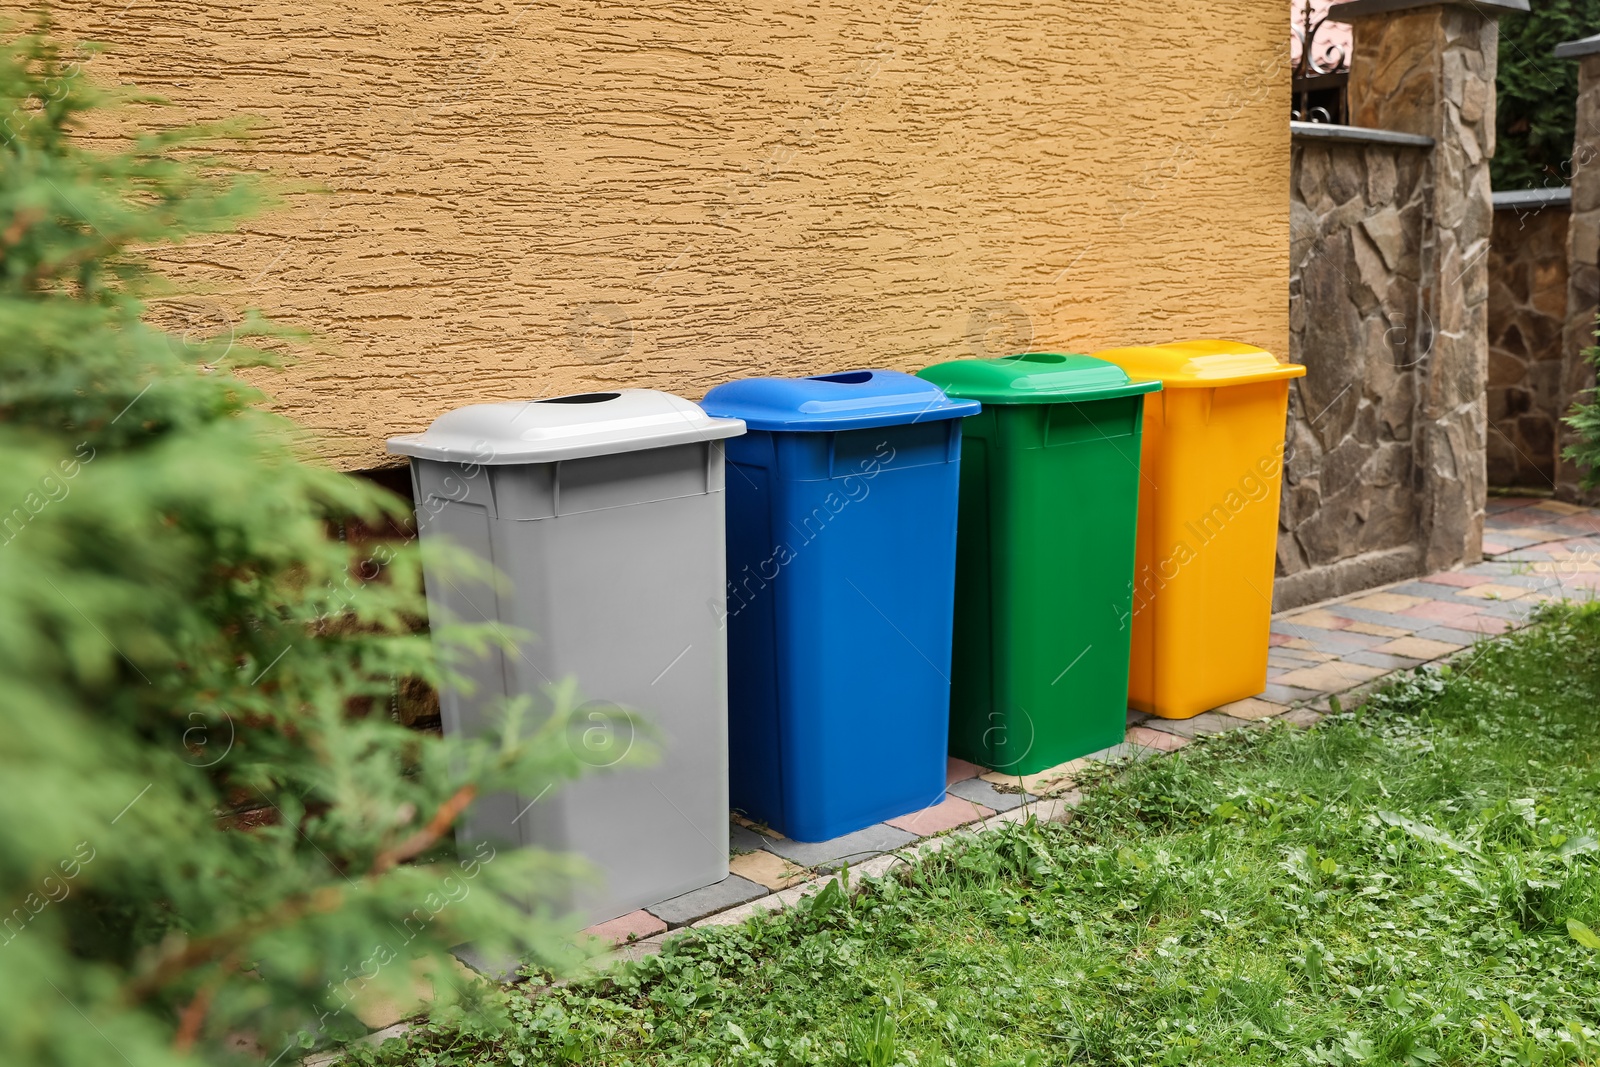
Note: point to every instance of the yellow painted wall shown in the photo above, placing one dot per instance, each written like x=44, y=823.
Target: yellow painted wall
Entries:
x=525, y=199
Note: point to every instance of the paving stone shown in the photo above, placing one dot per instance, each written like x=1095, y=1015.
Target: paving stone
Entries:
x=1516, y=542
x=1333, y=642
x=1494, y=591
x=1449, y=635
x=1251, y=709
x=632, y=926
x=1569, y=550
x=980, y=792
x=1588, y=522
x=1429, y=591
x=1377, y=629
x=1561, y=507
x=1160, y=740
x=879, y=866
x=1124, y=750
x=1442, y=611
x=736, y=916
x=1321, y=618
x=503, y=969
x=790, y=897
x=768, y=869
x=1420, y=648
x=1274, y=639
x=743, y=839
x=638, y=950
x=1494, y=548
x=1135, y=717
x=383, y=1007
x=1298, y=656
x=1054, y=779
x=1531, y=578
x=927, y=846
x=1301, y=717
x=1351, y=698
x=854, y=862
x=1563, y=566
x=1487, y=624
x=1207, y=722
x=1392, y=603
x=1499, y=505
x=1507, y=521
x=948, y=814
x=1039, y=782
x=1531, y=535
x=1456, y=579
x=870, y=841
x=1330, y=677
x=1286, y=694
x=698, y=903
x=1052, y=809
x=1383, y=660
x=1521, y=608
x=959, y=770
x=751, y=824
x=1381, y=618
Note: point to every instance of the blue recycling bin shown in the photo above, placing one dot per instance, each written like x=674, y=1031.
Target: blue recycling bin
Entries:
x=841, y=504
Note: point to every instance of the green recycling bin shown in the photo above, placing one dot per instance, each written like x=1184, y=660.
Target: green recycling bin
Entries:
x=1044, y=557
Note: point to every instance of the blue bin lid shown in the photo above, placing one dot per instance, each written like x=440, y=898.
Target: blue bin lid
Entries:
x=855, y=399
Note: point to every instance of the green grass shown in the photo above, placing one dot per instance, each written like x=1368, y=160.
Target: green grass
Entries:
x=1392, y=887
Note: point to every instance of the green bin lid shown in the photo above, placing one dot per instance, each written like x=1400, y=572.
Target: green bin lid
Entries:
x=1035, y=378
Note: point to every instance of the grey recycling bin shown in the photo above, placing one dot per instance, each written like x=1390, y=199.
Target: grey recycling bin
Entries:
x=605, y=512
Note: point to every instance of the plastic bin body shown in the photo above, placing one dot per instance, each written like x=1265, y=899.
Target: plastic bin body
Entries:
x=1208, y=523
x=1049, y=500
x=614, y=567
x=841, y=558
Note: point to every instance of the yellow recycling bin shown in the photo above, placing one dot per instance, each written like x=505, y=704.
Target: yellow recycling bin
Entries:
x=1211, y=469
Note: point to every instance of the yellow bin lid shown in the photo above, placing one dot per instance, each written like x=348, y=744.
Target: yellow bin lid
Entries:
x=1201, y=364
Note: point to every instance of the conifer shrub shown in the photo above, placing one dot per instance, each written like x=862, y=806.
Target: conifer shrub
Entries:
x=215, y=841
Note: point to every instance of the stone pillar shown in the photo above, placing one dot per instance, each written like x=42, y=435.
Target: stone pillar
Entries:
x=1428, y=67
x=1583, y=256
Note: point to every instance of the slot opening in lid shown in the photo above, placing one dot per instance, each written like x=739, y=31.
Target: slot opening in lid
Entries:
x=580, y=398
x=852, y=377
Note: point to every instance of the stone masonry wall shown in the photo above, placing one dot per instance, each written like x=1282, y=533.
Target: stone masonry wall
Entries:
x=1358, y=227
x=1583, y=267
x=1527, y=312
x=1389, y=306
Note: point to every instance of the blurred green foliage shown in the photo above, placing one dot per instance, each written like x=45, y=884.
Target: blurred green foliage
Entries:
x=1585, y=419
x=1536, y=94
x=214, y=840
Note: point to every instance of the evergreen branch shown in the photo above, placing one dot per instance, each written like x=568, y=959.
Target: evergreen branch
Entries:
x=321, y=901
x=430, y=834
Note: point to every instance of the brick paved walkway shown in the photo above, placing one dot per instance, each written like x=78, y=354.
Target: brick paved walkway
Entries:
x=1534, y=551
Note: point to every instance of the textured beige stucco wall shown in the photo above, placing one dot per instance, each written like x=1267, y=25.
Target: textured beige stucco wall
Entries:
x=524, y=199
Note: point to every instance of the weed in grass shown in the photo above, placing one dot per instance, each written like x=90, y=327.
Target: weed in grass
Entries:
x=1414, y=882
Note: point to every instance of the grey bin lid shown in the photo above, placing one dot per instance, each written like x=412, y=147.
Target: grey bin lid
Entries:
x=564, y=427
